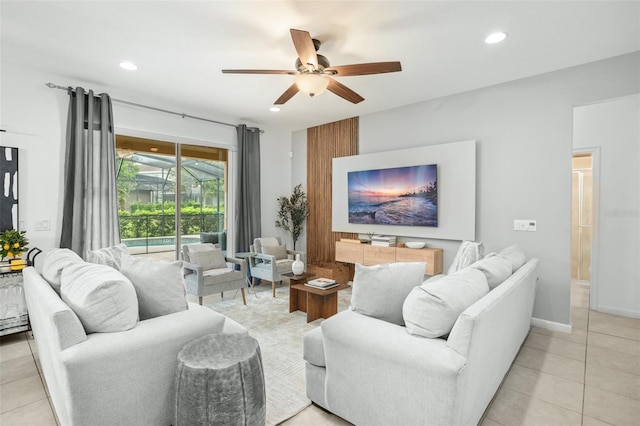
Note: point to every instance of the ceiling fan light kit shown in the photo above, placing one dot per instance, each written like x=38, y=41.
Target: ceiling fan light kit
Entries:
x=314, y=72
x=312, y=84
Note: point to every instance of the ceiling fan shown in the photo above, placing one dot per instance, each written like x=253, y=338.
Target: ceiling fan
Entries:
x=314, y=73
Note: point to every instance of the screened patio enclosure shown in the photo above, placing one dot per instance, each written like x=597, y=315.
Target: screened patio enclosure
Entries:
x=150, y=187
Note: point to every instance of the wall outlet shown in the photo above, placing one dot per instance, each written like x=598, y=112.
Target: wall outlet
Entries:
x=525, y=225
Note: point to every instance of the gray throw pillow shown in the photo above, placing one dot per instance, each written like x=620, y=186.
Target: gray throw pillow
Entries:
x=103, y=299
x=280, y=252
x=219, y=238
x=379, y=291
x=432, y=309
x=109, y=256
x=213, y=259
x=209, y=237
x=159, y=285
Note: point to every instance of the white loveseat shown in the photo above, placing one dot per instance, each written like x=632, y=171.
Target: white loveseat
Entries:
x=112, y=378
x=373, y=372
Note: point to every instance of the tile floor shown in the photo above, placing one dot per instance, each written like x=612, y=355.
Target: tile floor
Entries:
x=589, y=377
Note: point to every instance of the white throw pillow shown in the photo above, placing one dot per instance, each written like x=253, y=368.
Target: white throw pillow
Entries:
x=280, y=252
x=103, y=299
x=468, y=253
x=515, y=256
x=495, y=268
x=213, y=259
x=432, y=309
x=110, y=256
x=158, y=284
x=379, y=291
x=197, y=248
x=54, y=263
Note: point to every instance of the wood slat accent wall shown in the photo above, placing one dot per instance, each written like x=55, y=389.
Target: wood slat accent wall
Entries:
x=338, y=139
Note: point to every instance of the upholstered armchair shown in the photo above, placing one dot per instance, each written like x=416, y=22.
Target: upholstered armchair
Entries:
x=271, y=260
x=208, y=271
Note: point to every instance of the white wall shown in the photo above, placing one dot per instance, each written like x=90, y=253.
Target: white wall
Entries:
x=614, y=128
x=35, y=119
x=524, y=138
x=275, y=179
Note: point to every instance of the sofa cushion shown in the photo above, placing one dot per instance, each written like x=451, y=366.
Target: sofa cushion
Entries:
x=54, y=263
x=158, y=284
x=379, y=291
x=110, y=256
x=213, y=259
x=495, y=268
x=515, y=256
x=432, y=309
x=103, y=299
x=279, y=251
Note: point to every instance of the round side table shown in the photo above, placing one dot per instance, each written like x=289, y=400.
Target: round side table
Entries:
x=220, y=381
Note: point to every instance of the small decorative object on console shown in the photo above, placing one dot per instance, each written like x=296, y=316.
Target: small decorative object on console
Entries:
x=414, y=244
x=297, y=267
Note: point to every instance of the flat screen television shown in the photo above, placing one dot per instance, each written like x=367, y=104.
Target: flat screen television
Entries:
x=396, y=196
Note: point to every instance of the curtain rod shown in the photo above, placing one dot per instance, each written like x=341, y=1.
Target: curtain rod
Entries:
x=181, y=114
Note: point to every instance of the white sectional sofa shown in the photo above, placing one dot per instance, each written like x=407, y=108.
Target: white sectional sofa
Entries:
x=112, y=378
x=374, y=372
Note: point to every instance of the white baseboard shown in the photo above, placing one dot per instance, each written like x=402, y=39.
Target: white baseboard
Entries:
x=617, y=311
x=550, y=325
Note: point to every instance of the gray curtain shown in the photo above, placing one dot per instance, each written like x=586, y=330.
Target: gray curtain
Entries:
x=90, y=209
x=248, y=199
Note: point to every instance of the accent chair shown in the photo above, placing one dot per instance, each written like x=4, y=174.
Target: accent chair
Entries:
x=271, y=260
x=208, y=271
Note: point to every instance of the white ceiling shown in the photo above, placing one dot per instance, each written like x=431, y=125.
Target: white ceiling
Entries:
x=180, y=48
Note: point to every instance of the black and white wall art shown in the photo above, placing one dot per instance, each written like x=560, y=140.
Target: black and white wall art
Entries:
x=8, y=188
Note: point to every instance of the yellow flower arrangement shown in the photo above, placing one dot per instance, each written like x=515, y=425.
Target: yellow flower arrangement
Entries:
x=12, y=243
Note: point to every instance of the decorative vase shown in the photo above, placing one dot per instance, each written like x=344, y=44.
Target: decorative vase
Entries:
x=297, y=267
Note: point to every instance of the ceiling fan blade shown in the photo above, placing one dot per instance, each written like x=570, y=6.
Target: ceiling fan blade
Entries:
x=305, y=48
x=288, y=94
x=288, y=72
x=344, y=92
x=365, y=69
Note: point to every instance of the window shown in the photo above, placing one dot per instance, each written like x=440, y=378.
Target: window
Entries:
x=150, y=188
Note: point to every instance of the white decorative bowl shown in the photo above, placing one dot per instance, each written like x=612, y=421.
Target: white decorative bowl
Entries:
x=414, y=244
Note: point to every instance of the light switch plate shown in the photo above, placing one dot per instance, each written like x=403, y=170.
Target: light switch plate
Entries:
x=528, y=225
x=43, y=225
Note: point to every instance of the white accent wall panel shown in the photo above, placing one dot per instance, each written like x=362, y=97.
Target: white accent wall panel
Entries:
x=456, y=189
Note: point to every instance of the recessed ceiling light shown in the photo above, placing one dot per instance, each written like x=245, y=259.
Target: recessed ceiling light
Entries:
x=154, y=149
x=129, y=66
x=274, y=109
x=495, y=38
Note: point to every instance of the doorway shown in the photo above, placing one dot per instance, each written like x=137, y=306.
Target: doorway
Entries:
x=581, y=217
x=169, y=194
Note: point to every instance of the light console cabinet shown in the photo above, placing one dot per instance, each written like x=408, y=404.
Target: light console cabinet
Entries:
x=366, y=254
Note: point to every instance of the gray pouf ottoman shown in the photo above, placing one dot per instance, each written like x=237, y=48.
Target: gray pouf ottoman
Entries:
x=220, y=381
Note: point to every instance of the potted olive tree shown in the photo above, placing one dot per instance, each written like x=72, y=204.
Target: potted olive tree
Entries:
x=293, y=212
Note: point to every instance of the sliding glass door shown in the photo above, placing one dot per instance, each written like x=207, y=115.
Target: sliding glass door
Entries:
x=153, y=178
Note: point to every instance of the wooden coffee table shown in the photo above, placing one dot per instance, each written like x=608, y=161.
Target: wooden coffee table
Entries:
x=315, y=302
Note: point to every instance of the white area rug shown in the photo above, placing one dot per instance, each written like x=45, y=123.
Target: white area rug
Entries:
x=280, y=336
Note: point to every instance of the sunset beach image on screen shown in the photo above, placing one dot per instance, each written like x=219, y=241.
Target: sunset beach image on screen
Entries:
x=394, y=196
